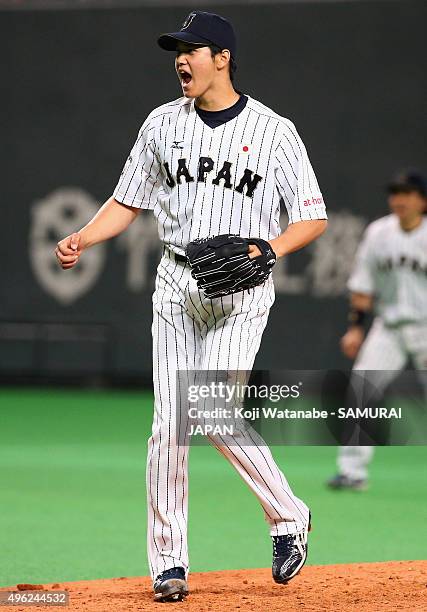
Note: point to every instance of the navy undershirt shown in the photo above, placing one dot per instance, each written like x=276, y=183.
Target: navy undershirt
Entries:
x=215, y=118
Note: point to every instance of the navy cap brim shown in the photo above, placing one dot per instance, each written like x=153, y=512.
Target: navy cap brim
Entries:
x=170, y=41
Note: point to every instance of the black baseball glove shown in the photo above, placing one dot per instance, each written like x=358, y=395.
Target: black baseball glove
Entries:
x=221, y=264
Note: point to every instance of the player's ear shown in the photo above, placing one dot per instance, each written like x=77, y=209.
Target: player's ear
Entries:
x=223, y=58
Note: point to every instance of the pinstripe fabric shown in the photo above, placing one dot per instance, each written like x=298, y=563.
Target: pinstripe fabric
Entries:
x=203, y=181
x=200, y=182
x=383, y=353
x=353, y=461
x=392, y=265
x=189, y=332
x=386, y=351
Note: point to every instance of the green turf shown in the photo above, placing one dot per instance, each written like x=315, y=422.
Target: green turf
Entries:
x=72, y=495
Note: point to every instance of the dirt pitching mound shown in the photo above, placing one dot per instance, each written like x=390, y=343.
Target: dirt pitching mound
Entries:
x=400, y=585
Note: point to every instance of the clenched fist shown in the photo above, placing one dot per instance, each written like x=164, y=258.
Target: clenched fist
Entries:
x=69, y=250
x=352, y=341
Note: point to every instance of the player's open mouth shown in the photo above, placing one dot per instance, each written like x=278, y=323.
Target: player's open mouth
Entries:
x=185, y=77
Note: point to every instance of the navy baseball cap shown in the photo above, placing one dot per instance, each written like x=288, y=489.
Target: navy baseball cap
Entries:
x=408, y=181
x=203, y=29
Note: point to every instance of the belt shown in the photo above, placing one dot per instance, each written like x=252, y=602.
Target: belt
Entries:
x=176, y=256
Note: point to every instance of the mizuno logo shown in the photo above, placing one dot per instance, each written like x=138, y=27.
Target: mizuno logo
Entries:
x=177, y=144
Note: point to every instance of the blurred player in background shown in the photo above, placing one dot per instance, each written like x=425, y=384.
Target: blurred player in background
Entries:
x=390, y=279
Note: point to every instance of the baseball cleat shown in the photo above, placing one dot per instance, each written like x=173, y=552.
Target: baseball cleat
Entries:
x=171, y=585
x=340, y=481
x=289, y=555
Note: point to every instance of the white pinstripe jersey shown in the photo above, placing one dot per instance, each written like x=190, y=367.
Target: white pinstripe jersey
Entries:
x=392, y=265
x=201, y=181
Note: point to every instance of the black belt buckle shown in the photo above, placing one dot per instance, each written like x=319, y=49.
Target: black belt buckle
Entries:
x=177, y=256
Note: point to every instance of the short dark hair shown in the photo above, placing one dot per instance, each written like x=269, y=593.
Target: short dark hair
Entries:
x=232, y=66
x=408, y=181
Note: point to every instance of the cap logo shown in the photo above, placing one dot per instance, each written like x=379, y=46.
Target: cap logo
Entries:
x=188, y=20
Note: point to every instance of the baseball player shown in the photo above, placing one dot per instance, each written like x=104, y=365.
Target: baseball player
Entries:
x=213, y=163
x=389, y=278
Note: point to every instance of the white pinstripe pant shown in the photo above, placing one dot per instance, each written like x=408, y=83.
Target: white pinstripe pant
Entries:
x=191, y=332
x=387, y=349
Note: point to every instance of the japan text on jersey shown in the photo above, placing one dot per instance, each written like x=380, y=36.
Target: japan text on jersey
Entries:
x=391, y=265
x=201, y=181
